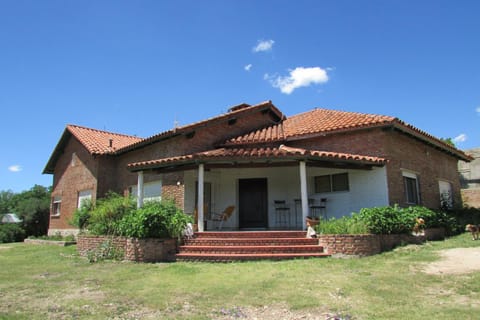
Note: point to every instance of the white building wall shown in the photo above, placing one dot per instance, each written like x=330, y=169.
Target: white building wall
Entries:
x=368, y=188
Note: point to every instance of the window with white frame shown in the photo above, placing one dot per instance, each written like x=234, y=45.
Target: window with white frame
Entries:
x=446, y=196
x=332, y=183
x=410, y=181
x=152, y=191
x=83, y=197
x=56, y=205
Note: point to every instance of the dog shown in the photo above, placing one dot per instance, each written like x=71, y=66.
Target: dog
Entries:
x=418, y=227
x=188, y=232
x=474, y=230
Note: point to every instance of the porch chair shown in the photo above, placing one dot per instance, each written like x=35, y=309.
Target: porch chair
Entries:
x=222, y=217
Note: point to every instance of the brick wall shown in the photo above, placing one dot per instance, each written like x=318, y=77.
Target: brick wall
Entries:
x=138, y=250
x=471, y=197
x=75, y=171
x=365, y=244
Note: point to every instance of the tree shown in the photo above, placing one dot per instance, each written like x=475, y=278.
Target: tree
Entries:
x=33, y=207
x=6, y=201
x=448, y=141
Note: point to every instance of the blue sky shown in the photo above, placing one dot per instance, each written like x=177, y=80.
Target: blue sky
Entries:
x=136, y=67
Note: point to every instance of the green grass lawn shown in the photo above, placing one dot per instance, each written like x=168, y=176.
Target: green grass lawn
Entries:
x=49, y=282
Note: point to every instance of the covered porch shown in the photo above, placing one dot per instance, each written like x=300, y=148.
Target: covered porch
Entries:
x=271, y=188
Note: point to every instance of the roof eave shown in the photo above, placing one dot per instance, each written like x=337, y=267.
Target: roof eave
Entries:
x=431, y=140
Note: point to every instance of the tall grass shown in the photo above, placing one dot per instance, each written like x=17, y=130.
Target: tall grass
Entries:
x=344, y=225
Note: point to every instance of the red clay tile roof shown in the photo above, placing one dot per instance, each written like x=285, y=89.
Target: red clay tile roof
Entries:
x=97, y=142
x=313, y=122
x=101, y=142
x=323, y=121
x=251, y=154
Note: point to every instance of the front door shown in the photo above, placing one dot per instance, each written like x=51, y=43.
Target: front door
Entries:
x=253, y=203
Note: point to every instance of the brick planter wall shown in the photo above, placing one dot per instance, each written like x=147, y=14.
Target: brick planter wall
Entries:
x=139, y=250
x=432, y=234
x=365, y=244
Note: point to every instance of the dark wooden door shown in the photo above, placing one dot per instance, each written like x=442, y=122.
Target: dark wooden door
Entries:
x=253, y=203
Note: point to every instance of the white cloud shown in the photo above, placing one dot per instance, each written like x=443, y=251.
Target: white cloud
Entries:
x=263, y=45
x=298, y=77
x=248, y=67
x=478, y=110
x=15, y=168
x=460, y=138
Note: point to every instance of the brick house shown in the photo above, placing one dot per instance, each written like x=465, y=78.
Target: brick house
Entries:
x=274, y=169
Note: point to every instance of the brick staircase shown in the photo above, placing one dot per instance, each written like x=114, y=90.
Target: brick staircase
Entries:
x=249, y=245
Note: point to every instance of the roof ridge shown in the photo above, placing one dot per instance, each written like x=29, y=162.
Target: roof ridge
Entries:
x=104, y=131
x=192, y=125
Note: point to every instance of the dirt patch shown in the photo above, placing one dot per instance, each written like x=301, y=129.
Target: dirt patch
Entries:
x=455, y=261
x=4, y=248
x=273, y=312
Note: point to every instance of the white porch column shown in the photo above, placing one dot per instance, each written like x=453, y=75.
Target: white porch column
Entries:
x=201, y=178
x=140, y=189
x=304, y=192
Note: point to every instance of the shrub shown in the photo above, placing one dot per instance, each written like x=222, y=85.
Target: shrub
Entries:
x=344, y=225
x=81, y=216
x=104, y=217
x=462, y=217
x=387, y=220
x=156, y=219
x=11, y=232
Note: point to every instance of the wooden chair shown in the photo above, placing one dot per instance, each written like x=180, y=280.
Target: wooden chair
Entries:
x=222, y=217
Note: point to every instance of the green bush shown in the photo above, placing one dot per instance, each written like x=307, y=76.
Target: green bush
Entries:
x=387, y=220
x=11, y=232
x=463, y=216
x=344, y=225
x=81, y=216
x=105, y=216
x=156, y=219
x=118, y=216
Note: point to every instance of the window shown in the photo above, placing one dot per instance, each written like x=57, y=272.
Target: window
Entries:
x=152, y=191
x=411, y=188
x=57, y=201
x=332, y=183
x=83, y=196
x=446, y=197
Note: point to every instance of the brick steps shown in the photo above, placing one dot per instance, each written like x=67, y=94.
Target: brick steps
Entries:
x=249, y=245
x=251, y=249
x=216, y=257
x=250, y=242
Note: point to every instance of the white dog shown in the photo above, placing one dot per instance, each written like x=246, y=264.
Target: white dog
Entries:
x=188, y=232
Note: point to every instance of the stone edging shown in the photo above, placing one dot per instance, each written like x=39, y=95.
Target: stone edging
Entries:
x=50, y=242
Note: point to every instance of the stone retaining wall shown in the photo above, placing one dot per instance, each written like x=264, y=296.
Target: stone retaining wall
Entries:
x=139, y=250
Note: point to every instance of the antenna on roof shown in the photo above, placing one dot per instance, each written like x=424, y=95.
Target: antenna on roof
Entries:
x=175, y=123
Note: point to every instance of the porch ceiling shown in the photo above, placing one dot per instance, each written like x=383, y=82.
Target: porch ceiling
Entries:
x=258, y=157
